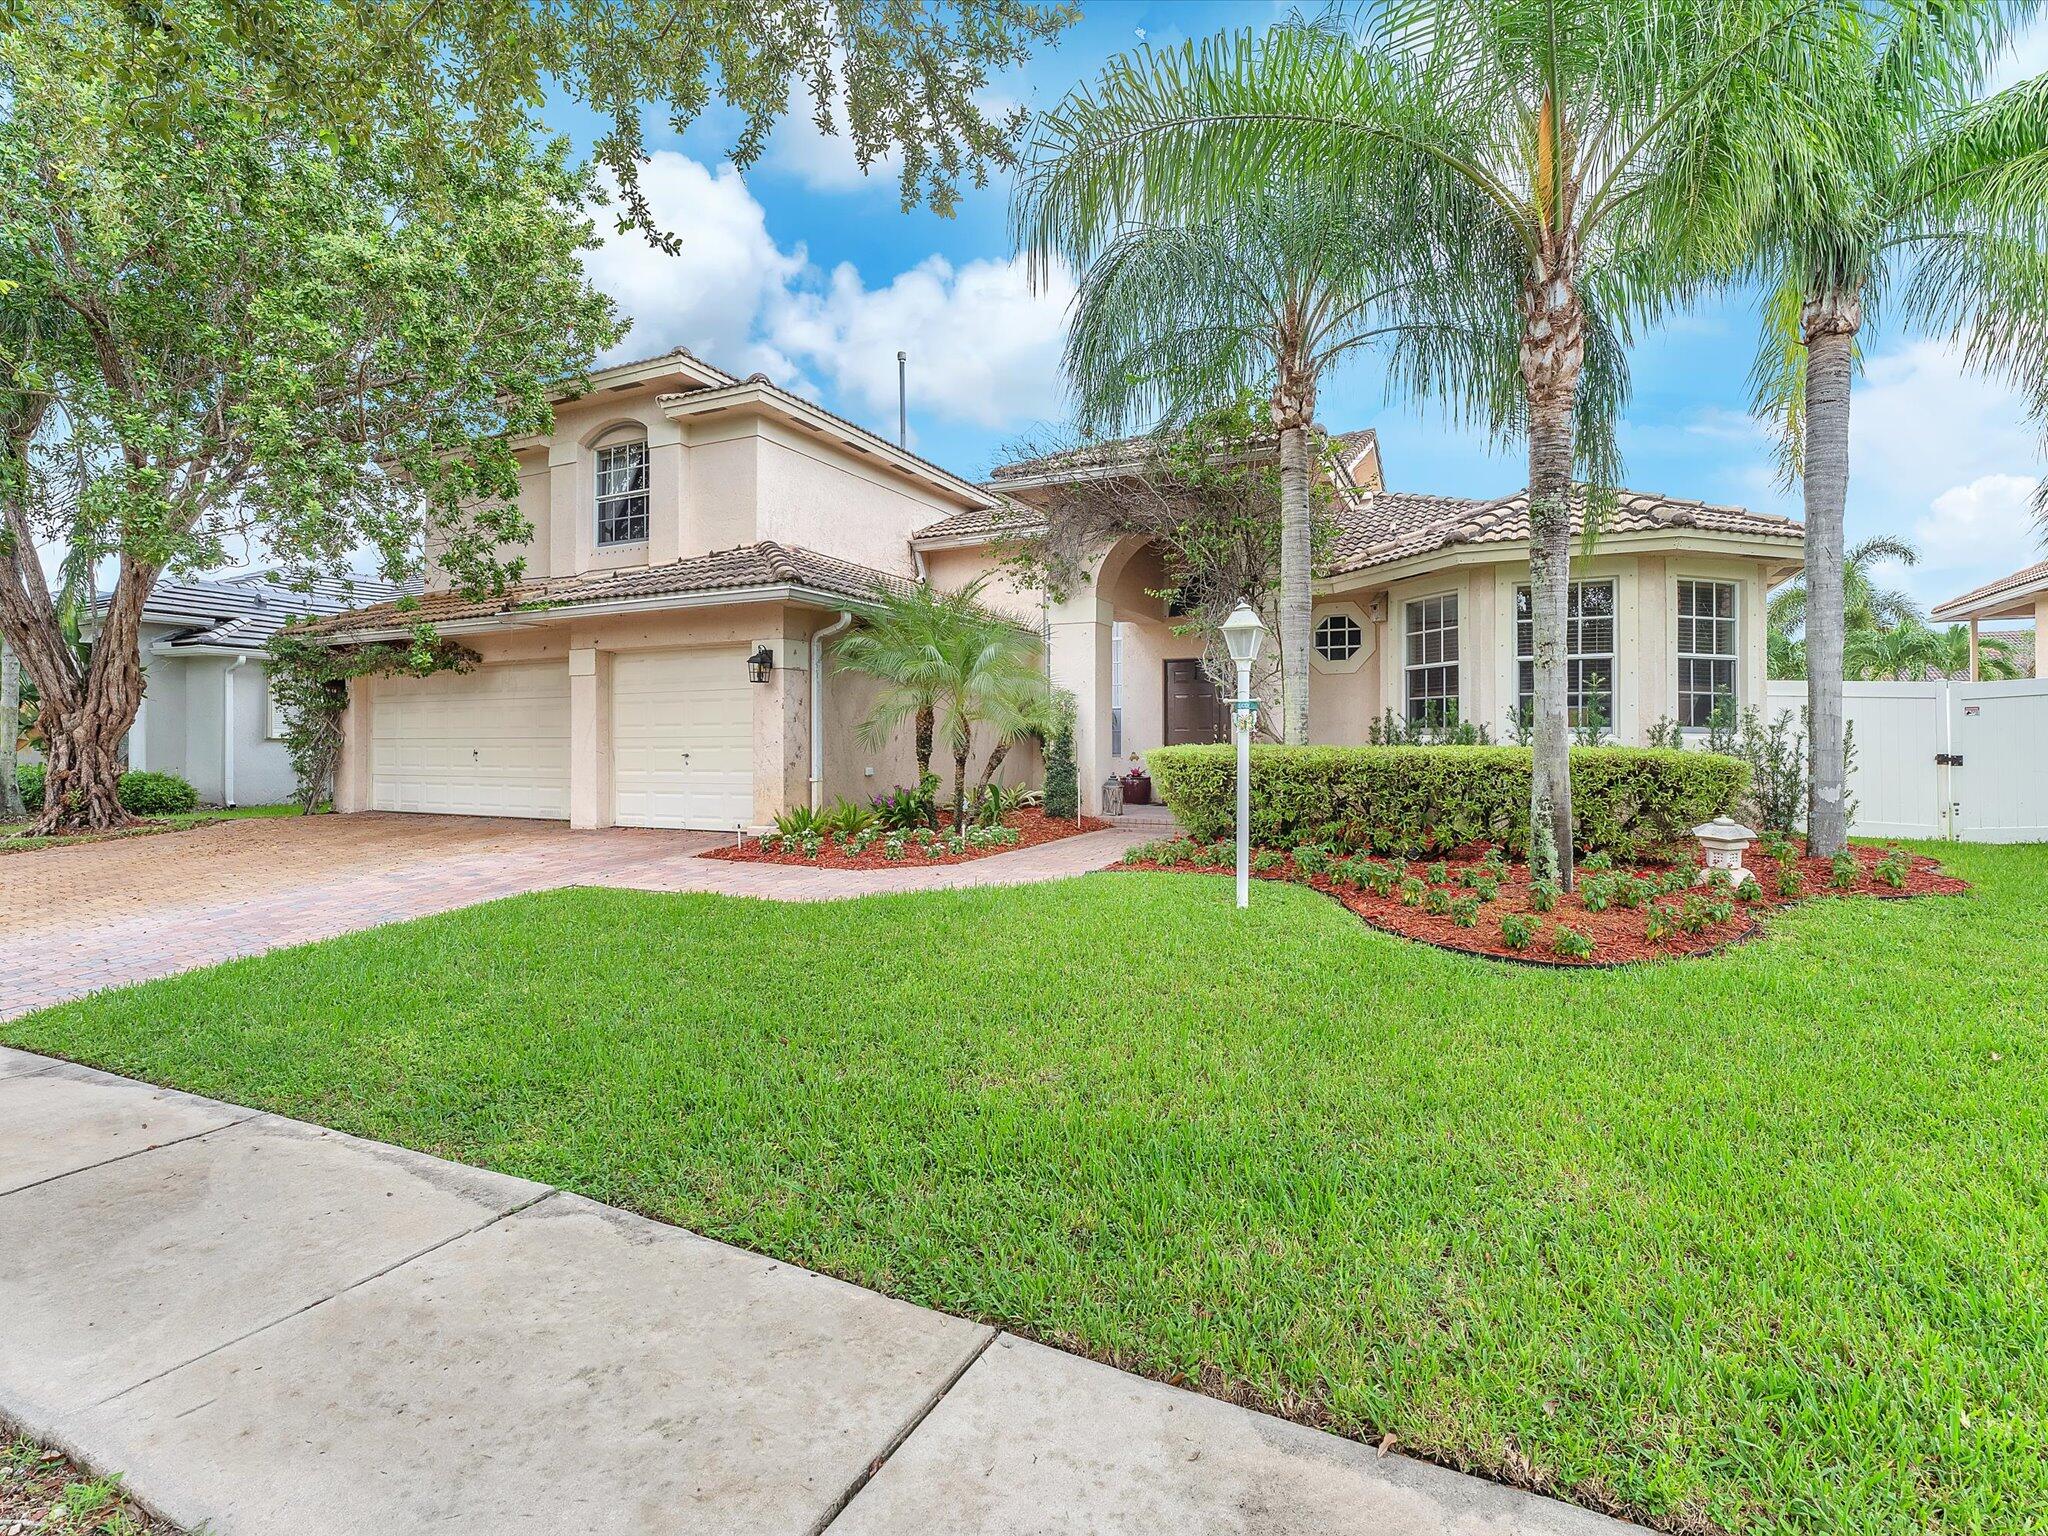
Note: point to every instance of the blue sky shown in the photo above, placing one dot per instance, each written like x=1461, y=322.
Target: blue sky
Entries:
x=812, y=273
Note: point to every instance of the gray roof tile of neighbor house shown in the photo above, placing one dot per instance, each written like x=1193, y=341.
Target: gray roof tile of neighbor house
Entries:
x=763, y=566
x=1392, y=526
x=242, y=612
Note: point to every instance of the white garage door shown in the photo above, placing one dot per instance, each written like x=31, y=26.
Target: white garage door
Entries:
x=683, y=739
x=493, y=742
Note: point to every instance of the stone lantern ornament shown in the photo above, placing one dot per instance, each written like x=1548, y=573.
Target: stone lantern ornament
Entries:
x=1723, y=840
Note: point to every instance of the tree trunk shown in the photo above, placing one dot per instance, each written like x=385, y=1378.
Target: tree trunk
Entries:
x=927, y=731
x=85, y=712
x=11, y=808
x=1293, y=406
x=960, y=784
x=1829, y=322
x=988, y=770
x=1552, y=355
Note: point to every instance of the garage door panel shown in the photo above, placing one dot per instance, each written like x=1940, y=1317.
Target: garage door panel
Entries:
x=683, y=739
x=493, y=742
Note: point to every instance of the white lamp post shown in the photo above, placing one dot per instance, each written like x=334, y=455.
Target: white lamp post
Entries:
x=1244, y=634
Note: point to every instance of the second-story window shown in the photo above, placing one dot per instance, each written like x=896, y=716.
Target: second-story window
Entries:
x=622, y=493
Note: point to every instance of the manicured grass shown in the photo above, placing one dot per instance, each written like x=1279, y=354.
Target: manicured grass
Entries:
x=1757, y=1242
x=11, y=840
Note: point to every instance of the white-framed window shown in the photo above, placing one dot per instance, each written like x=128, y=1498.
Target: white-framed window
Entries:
x=1430, y=627
x=1588, y=650
x=622, y=493
x=1707, y=650
x=273, y=713
x=1116, y=690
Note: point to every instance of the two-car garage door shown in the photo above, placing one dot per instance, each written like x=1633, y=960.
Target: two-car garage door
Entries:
x=495, y=742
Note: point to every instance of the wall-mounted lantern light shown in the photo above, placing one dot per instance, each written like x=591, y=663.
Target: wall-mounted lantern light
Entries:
x=760, y=664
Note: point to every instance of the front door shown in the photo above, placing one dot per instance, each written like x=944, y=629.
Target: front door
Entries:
x=1195, y=713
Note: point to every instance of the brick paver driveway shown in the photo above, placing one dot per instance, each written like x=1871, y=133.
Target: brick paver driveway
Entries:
x=73, y=920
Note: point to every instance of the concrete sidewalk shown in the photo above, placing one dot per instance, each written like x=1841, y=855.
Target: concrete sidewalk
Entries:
x=270, y=1327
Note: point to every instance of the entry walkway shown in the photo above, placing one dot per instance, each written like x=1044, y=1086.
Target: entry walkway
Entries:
x=268, y=1327
x=76, y=919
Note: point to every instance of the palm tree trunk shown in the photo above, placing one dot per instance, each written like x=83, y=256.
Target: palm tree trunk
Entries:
x=988, y=770
x=1296, y=545
x=11, y=808
x=1552, y=355
x=927, y=730
x=1829, y=323
x=960, y=783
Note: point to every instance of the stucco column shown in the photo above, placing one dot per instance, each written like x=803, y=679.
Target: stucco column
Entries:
x=664, y=493
x=2041, y=635
x=563, y=507
x=782, y=742
x=590, y=737
x=1081, y=657
x=352, y=767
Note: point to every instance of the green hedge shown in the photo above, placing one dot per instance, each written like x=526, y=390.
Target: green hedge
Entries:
x=142, y=793
x=1628, y=801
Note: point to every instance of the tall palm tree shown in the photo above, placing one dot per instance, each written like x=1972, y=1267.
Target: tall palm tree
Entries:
x=1554, y=148
x=1909, y=193
x=1865, y=605
x=1176, y=319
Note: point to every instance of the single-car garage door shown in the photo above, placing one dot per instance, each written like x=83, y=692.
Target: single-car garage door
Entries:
x=493, y=742
x=683, y=739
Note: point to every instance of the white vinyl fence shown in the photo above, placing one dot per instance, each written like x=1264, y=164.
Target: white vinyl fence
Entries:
x=1967, y=761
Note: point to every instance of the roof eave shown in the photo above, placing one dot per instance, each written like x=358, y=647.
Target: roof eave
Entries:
x=529, y=618
x=1502, y=551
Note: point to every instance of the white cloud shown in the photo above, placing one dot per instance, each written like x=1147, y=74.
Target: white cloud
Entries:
x=983, y=347
x=708, y=296
x=1988, y=521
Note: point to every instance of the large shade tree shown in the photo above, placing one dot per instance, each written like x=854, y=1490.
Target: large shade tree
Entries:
x=1171, y=321
x=1898, y=190
x=1570, y=148
x=233, y=325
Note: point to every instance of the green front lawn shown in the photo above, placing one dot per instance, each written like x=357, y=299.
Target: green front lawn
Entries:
x=12, y=840
x=1759, y=1241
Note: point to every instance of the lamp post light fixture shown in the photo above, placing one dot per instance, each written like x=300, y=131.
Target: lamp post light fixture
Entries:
x=1244, y=634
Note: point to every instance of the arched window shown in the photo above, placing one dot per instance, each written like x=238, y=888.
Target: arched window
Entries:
x=622, y=487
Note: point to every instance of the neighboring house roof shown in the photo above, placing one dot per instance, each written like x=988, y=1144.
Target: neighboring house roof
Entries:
x=241, y=613
x=2008, y=597
x=1381, y=529
x=766, y=567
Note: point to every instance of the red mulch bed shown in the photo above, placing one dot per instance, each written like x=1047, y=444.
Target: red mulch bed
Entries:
x=1031, y=824
x=1616, y=931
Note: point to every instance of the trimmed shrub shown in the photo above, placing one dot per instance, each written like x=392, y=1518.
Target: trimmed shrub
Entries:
x=1631, y=802
x=142, y=794
x=1062, y=777
x=156, y=794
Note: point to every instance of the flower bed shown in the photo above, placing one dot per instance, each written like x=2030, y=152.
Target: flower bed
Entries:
x=878, y=849
x=1482, y=904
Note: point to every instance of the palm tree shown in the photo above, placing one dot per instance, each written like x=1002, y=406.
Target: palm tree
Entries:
x=1907, y=189
x=1949, y=654
x=1786, y=656
x=1900, y=653
x=1865, y=605
x=943, y=657
x=1174, y=320
x=1552, y=153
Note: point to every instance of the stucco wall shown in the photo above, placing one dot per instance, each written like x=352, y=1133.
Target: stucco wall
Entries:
x=836, y=501
x=186, y=699
x=952, y=569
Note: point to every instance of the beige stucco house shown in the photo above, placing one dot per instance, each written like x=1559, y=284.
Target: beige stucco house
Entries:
x=698, y=539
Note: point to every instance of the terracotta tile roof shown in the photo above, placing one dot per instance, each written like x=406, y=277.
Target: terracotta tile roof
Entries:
x=1381, y=529
x=762, y=565
x=2015, y=585
x=1007, y=516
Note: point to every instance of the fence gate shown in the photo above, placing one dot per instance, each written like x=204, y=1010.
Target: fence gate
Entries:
x=1944, y=760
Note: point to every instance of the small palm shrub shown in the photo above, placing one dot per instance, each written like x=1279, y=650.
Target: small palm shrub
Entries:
x=845, y=820
x=903, y=809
